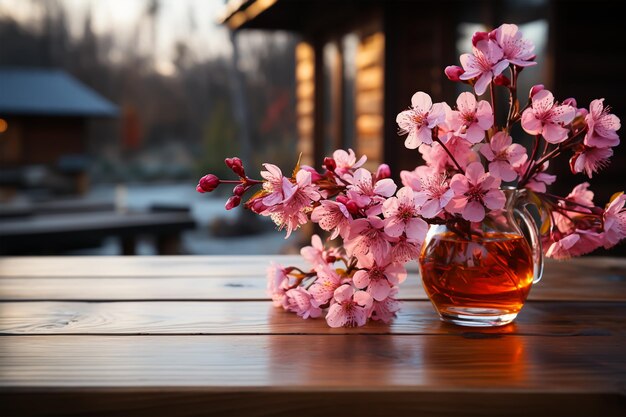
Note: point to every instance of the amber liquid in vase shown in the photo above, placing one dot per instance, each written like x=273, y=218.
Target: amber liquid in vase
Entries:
x=493, y=272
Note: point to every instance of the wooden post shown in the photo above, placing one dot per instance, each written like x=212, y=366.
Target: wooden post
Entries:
x=318, y=103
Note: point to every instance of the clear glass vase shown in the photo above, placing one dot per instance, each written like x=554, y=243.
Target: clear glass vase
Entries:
x=480, y=274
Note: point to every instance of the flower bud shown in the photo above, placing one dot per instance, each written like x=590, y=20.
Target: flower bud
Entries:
x=352, y=207
x=239, y=190
x=236, y=165
x=383, y=172
x=570, y=102
x=479, y=36
x=502, y=80
x=256, y=205
x=233, y=202
x=342, y=199
x=315, y=176
x=453, y=72
x=535, y=89
x=207, y=183
x=330, y=163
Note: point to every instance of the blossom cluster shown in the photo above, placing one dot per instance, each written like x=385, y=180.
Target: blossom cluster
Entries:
x=468, y=156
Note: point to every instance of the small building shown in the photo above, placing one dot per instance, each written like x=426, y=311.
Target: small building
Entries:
x=43, y=124
x=360, y=61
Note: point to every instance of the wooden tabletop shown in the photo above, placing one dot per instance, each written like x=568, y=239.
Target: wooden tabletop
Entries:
x=197, y=336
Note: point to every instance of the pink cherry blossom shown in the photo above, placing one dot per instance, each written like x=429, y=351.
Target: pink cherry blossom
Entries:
x=277, y=284
x=560, y=249
x=332, y=216
x=540, y=179
x=385, y=310
x=300, y=302
x=547, y=118
x=578, y=243
x=367, y=238
x=401, y=216
x=432, y=191
x=317, y=255
x=328, y=280
x=602, y=126
x=275, y=184
x=581, y=194
x=405, y=250
x=437, y=158
x=615, y=221
x=350, y=308
x=290, y=213
x=346, y=161
x=590, y=160
x=420, y=119
x=378, y=275
x=503, y=155
x=516, y=50
x=475, y=191
x=365, y=190
x=472, y=119
x=485, y=63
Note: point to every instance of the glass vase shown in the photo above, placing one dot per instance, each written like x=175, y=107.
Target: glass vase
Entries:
x=480, y=274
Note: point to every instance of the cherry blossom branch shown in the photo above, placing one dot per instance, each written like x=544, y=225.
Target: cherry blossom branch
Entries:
x=531, y=159
x=493, y=105
x=512, y=96
x=436, y=139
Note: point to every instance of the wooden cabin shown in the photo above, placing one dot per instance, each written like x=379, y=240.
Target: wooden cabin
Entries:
x=359, y=63
x=43, y=122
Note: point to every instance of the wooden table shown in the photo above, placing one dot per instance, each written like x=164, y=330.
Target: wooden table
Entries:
x=197, y=336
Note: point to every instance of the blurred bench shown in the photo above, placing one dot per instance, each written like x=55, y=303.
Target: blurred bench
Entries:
x=52, y=233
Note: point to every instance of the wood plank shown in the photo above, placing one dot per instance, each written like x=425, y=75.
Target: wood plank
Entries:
x=213, y=278
x=140, y=266
x=610, y=269
x=260, y=317
x=594, y=364
x=246, y=402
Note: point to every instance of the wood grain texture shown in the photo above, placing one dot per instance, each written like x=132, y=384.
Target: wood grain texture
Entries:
x=297, y=363
x=260, y=317
x=140, y=266
x=130, y=336
x=214, y=278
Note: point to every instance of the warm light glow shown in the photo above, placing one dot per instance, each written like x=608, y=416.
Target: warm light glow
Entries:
x=3, y=125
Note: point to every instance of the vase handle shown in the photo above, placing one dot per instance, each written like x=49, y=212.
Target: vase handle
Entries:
x=535, y=241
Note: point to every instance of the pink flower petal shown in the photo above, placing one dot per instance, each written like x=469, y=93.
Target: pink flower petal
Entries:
x=459, y=184
x=474, y=133
x=361, y=278
x=394, y=226
x=494, y=199
x=431, y=208
x=466, y=102
x=385, y=187
x=483, y=81
x=416, y=229
x=474, y=211
x=530, y=123
x=336, y=316
x=343, y=293
x=363, y=299
x=554, y=133
x=421, y=101
x=474, y=172
x=379, y=289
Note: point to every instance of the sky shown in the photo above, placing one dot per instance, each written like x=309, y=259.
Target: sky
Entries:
x=191, y=21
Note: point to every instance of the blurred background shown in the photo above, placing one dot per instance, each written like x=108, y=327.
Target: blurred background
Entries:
x=111, y=110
